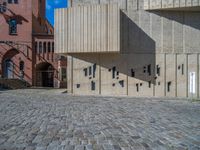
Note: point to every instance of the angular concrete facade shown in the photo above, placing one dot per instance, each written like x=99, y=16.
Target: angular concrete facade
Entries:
x=88, y=29
x=158, y=53
x=172, y=4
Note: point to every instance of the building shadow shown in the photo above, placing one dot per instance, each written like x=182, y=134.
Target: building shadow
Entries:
x=136, y=58
x=186, y=18
x=181, y=28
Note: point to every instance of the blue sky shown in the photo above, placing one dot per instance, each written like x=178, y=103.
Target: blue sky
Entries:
x=51, y=5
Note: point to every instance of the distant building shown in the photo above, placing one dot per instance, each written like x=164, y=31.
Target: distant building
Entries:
x=131, y=47
x=27, y=45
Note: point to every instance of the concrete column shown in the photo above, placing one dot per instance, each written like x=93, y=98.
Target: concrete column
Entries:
x=72, y=74
x=99, y=74
x=186, y=75
x=197, y=75
x=69, y=74
x=38, y=45
x=175, y=75
x=165, y=74
x=43, y=50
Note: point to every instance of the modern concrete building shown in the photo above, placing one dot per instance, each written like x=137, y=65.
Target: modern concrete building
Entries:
x=27, y=45
x=131, y=47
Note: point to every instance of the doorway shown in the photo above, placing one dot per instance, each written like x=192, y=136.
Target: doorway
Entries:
x=9, y=69
x=44, y=75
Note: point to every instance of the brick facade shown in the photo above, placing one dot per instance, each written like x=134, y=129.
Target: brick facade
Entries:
x=23, y=54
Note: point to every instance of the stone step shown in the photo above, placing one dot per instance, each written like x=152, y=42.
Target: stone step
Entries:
x=13, y=84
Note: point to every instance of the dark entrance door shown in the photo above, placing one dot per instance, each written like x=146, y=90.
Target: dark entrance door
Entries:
x=47, y=78
x=9, y=68
x=45, y=75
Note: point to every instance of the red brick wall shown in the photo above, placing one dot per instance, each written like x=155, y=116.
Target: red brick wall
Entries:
x=32, y=27
x=22, y=13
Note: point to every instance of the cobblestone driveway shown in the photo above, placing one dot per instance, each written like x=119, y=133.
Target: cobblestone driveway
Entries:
x=48, y=119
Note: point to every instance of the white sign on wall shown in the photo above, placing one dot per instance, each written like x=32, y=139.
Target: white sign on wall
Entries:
x=192, y=83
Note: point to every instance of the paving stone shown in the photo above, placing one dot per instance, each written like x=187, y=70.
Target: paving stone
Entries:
x=37, y=119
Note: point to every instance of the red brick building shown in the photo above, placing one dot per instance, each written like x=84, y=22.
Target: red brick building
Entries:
x=27, y=45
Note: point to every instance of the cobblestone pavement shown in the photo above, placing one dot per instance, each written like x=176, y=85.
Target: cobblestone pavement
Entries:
x=49, y=120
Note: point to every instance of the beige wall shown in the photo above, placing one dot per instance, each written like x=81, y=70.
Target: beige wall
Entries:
x=148, y=85
x=168, y=41
x=172, y=4
x=87, y=29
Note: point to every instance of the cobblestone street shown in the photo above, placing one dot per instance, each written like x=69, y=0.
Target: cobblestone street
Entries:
x=50, y=120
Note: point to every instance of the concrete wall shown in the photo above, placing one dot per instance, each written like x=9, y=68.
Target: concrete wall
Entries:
x=171, y=4
x=171, y=81
x=166, y=32
x=159, y=50
x=123, y=4
x=87, y=29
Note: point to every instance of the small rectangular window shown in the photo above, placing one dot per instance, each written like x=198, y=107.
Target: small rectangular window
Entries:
x=182, y=69
x=92, y=85
x=12, y=26
x=90, y=70
x=85, y=72
x=132, y=73
x=113, y=72
x=158, y=70
x=168, y=86
x=78, y=86
x=121, y=83
x=144, y=69
x=137, y=87
x=94, y=70
x=117, y=73
x=149, y=69
x=149, y=84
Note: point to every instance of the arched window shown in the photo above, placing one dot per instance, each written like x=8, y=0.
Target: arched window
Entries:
x=36, y=46
x=49, y=47
x=45, y=47
x=21, y=69
x=21, y=65
x=53, y=47
x=40, y=47
x=13, y=26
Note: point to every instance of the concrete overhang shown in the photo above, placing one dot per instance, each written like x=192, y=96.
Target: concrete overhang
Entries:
x=174, y=5
x=87, y=29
